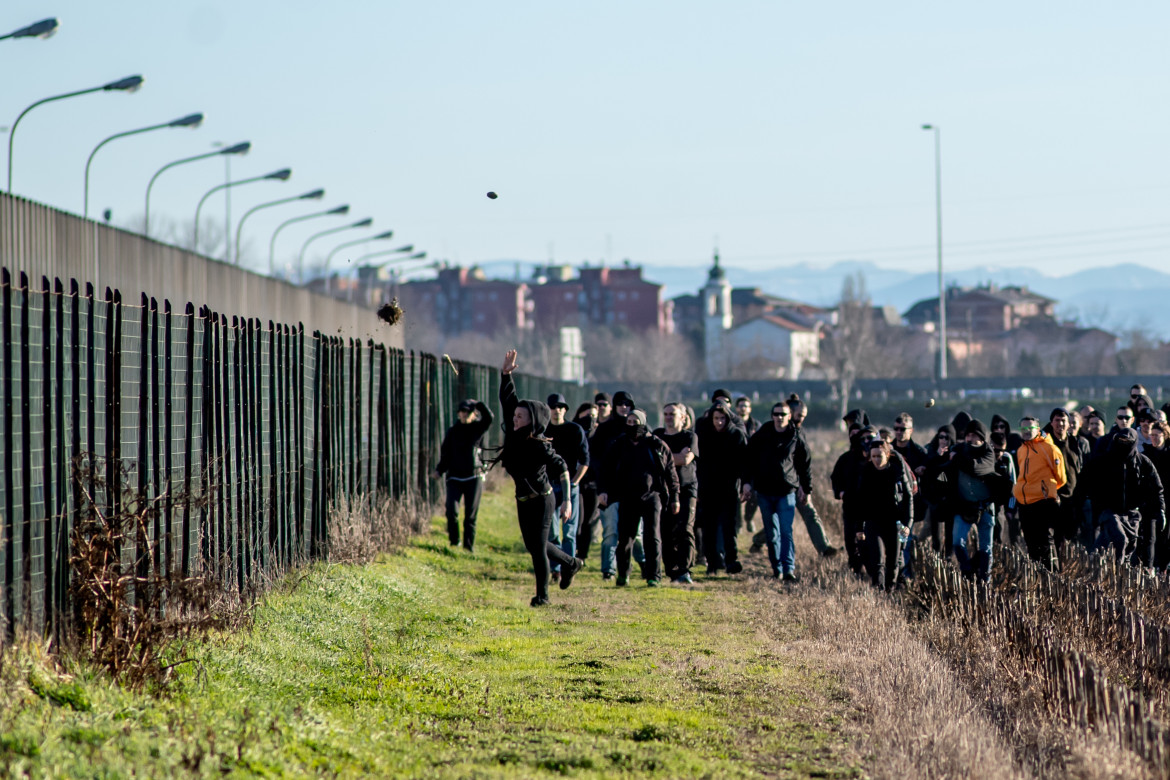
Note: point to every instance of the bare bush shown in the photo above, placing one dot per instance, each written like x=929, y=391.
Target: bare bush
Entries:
x=361, y=530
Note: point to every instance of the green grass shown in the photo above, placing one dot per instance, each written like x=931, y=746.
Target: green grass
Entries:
x=432, y=664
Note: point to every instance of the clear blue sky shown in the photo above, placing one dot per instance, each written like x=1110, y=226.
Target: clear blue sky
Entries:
x=790, y=131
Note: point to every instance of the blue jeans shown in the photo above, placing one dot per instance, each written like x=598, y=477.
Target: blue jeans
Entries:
x=777, y=512
x=566, y=532
x=609, y=540
x=986, y=523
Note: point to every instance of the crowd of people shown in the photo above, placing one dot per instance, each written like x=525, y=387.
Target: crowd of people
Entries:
x=675, y=499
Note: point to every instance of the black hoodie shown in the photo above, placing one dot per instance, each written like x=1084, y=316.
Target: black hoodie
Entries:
x=971, y=473
x=459, y=453
x=527, y=456
x=1013, y=439
x=721, y=458
x=933, y=483
x=1121, y=479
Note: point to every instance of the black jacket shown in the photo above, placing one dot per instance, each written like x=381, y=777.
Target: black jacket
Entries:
x=777, y=463
x=1074, y=461
x=688, y=479
x=721, y=461
x=885, y=494
x=569, y=441
x=459, y=452
x=638, y=468
x=527, y=456
x=971, y=475
x=913, y=453
x=604, y=435
x=1120, y=479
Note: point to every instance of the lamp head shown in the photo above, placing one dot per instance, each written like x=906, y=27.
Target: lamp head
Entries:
x=407, y=248
x=283, y=174
x=191, y=120
x=128, y=84
x=363, y=222
x=387, y=234
x=314, y=195
x=419, y=256
x=242, y=148
x=42, y=29
x=928, y=127
x=339, y=210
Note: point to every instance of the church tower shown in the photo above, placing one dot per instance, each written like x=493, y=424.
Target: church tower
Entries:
x=716, y=320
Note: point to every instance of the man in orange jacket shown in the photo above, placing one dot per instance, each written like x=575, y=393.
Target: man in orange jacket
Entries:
x=1040, y=475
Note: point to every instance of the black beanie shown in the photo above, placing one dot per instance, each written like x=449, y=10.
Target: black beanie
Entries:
x=977, y=427
x=622, y=398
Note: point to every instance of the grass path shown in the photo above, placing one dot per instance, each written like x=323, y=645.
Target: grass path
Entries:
x=430, y=663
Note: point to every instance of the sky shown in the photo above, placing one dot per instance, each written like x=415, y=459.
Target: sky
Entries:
x=779, y=132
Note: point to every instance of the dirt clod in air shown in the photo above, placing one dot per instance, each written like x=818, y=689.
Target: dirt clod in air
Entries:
x=391, y=312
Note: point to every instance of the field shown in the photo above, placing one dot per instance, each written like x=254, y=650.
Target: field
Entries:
x=430, y=663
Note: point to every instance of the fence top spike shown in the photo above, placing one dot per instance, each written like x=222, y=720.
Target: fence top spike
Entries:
x=46, y=285
x=166, y=306
x=58, y=285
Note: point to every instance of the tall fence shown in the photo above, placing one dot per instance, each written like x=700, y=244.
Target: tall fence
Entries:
x=277, y=426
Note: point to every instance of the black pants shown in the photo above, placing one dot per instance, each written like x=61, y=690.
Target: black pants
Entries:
x=1037, y=522
x=535, y=516
x=1067, y=525
x=883, y=551
x=853, y=524
x=631, y=512
x=590, y=518
x=678, y=537
x=717, y=519
x=469, y=491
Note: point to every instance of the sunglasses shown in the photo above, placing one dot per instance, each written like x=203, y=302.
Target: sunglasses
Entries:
x=1125, y=417
x=780, y=414
x=899, y=428
x=602, y=403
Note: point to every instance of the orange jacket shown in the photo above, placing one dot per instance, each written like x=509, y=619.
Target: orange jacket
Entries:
x=1041, y=470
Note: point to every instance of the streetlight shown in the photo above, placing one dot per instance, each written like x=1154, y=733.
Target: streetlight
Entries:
x=407, y=248
x=128, y=84
x=42, y=29
x=272, y=242
x=339, y=247
x=191, y=120
x=282, y=175
x=942, y=298
x=314, y=195
x=240, y=148
x=361, y=223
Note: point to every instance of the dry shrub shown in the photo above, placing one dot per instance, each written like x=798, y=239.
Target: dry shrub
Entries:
x=360, y=530
x=127, y=613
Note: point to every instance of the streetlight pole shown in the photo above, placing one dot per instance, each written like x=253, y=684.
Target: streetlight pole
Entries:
x=361, y=223
x=272, y=242
x=339, y=247
x=240, y=148
x=314, y=195
x=128, y=84
x=281, y=175
x=191, y=120
x=942, y=297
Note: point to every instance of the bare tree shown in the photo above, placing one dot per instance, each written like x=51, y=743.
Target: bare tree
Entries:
x=850, y=343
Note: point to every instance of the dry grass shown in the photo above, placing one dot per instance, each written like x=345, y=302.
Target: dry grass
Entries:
x=359, y=531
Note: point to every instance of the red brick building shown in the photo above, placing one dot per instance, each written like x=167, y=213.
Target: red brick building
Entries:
x=459, y=300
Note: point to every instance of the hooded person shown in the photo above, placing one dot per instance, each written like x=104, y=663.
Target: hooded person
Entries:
x=960, y=424
x=459, y=460
x=939, y=521
x=970, y=473
x=722, y=445
x=856, y=417
x=1040, y=475
x=640, y=475
x=1000, y=424
x=600, y=445
x=570, y=442
x=846, y=480
x=1127, y=494
x=529, y=458
x=590, y=517
x=1059, y=430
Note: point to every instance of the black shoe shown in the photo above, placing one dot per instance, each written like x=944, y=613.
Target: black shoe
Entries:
x=791, y=577
x=755, y=549
x=713, y=570
x=829, y=551
x=567, y=572
x=537, y=601
x=606, y=576
x=735, y=567
x=469, y=548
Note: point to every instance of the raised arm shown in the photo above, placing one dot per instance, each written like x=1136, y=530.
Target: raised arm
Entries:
x=484, y=422
x=508, y=398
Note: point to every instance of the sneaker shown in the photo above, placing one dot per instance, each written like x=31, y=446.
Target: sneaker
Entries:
x=470, y=549
x=556, y=576
x=622, y=581
x=685, y=579
x=651, y=583
x=569, y=571
x=735, y=567
x=790, y=576
x=537, y=601
x=829, y=551
x=607, y=575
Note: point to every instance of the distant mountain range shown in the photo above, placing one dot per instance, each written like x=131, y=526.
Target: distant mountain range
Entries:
x=1115, y=297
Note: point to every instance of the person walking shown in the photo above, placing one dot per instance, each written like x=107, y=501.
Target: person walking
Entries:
x=568, y=440
x=778, y=472
x=678, y=528
x=529, y=458
x=970, y=473
x=608, y=432
x=846, y=479
x=641, y=477
x=1158, y=451
x=745, y=511
x=722, y=441
x=459, y=460
x=887, y=497
x=590, y=517
x=1040, y=476
x=1127, y=494
x=1059, y=430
